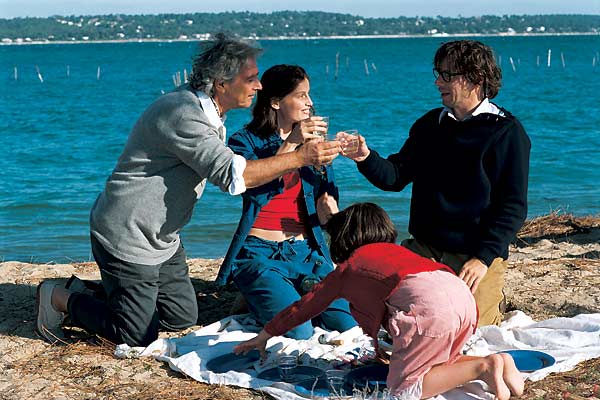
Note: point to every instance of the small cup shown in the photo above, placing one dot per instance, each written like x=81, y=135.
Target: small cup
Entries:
x=335, y=381
x=287, y=367
x=349, y=141
x=324, y=135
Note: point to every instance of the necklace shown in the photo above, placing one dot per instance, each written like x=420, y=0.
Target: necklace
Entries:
x=216, y=106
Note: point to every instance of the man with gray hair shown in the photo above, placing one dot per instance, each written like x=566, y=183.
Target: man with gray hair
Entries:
x=174, y=148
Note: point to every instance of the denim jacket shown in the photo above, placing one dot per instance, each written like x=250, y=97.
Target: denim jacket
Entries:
x=314, y=184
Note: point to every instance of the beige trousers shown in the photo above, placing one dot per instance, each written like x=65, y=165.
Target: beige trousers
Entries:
x=489, y=295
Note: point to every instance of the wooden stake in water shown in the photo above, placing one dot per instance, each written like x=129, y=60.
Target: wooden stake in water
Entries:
x=549, y=57
x=512, y=63
x=39, y=74
x=562, y=59
x=98, y=73
x=366, y=67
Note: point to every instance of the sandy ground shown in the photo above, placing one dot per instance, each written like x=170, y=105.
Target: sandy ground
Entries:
x=554, y=271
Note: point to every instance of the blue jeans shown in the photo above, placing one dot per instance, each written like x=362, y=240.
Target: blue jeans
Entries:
x=139, y=299
x=272, y=275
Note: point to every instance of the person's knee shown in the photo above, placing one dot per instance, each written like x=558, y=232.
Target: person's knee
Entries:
x=181, y=321
x=302, y=332
x=134, y=333
x=489, y=295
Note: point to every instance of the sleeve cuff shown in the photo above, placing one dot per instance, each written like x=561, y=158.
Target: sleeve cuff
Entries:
x=237, y=185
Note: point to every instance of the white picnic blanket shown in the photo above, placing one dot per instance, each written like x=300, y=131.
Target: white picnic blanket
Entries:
x=568, y=340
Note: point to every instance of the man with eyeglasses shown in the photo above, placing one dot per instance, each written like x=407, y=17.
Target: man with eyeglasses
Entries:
x=468, y=163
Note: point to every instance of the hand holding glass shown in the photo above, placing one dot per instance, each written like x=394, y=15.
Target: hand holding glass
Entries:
x=323, y=133
x=349, y=141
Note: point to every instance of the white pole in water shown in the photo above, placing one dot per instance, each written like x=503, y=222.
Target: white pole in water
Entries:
x=512, y=63
x=16, y=73
x=500, y=61
x=549, y=56
x=562, y=58
x=366, y=67
x=374, y=67
x=39, y=74
x=185, y=76
x=98, y=73
x=68, y=71
x=537, y=61
x=593, y=61
x=337, y=64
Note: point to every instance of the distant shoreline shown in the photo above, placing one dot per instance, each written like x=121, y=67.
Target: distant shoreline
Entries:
x=269, y=38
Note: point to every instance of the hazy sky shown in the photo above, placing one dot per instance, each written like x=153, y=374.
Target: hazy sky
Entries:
x=370, y=8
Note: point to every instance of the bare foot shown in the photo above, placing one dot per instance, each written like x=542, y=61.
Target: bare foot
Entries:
x=493, y=376
x=512, y=376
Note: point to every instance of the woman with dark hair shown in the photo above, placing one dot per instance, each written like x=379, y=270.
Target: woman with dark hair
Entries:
x=388, y=285
x=278, y=251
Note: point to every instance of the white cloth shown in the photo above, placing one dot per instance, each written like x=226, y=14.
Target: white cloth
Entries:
x=484, y=107
x=238, y=163
x=568, y=340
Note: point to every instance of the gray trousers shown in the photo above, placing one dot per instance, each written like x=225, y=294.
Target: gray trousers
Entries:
x=140, y=299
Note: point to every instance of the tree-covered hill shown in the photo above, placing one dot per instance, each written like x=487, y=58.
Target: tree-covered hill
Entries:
x=279, y=24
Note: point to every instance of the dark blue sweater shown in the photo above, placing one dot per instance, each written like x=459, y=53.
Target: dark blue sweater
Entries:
x=469, y=179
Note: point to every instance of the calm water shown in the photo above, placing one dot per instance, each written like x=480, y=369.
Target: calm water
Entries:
x=61, y=138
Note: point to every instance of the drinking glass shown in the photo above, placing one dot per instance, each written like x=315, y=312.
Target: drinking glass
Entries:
x=323, y=134
x=349, y=141
x=335, y=381
x=287, y=367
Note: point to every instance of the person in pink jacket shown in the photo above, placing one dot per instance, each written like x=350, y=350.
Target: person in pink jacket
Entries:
x=388, y=285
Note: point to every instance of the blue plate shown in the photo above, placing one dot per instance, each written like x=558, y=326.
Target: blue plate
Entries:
x=369, y=378
x=531, y=360
x=233, y=362
x=301, y=373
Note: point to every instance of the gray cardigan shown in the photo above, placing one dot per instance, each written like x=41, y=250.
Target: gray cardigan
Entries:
x=151, y=193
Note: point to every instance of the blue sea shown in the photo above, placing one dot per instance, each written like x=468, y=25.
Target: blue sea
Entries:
x=61, y=137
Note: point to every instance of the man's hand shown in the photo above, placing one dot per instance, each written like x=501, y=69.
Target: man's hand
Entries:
x=316, y=152
x=363, y=151
x=472, y=273
x=259, y=342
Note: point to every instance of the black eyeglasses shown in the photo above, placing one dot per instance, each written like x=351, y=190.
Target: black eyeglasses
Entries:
x=446, y=75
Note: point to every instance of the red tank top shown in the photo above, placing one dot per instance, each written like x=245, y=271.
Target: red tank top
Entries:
x=285, y=212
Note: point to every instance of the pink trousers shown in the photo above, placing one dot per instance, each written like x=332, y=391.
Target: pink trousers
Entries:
x=431, y=316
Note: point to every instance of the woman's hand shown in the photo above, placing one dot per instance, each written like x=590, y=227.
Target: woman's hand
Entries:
x=259, y=342
x=326, y=207
x=302, y=131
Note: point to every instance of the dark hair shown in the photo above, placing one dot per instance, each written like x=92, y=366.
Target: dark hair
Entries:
x=474, y=60
x=277, y=82
x=220, y=59
x=356, y=226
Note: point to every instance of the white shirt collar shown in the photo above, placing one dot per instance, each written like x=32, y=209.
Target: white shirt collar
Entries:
x=484, y=107
x=210, y=110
